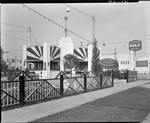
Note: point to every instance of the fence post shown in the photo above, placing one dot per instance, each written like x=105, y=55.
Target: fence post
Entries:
x=127, y=76
x=112, y=78
x=22, y=89
x=101, y=80
x=85, y=82
x=61, y=84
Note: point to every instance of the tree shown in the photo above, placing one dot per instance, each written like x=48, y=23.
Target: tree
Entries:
x=71, y=61
x=4, y=66
x=96, y=67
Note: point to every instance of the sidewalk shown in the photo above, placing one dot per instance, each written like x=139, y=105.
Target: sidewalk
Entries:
x=33, y=112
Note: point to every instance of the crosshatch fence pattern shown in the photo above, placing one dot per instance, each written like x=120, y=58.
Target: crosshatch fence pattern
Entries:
x=22, y=92
x=73, y=85
x=41, y=89
x=10, y=93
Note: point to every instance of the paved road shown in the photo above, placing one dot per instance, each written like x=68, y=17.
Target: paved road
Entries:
x=132, y=105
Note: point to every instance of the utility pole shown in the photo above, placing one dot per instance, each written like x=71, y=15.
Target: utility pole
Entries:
x=93, y=35
x=29, y=33
x=81, y=43
x=149, y=55
x=91, y=16
x=65, y=25
x=115, y=53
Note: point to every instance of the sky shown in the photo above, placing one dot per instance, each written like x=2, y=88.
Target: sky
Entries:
x=115, y=25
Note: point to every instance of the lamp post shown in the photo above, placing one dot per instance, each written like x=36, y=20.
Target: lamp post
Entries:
x=93, y=19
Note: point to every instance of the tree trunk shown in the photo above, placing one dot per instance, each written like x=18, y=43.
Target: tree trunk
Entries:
x=71, y=72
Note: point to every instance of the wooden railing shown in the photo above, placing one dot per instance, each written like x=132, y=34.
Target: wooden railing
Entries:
x=131, y=76
x=25, y=91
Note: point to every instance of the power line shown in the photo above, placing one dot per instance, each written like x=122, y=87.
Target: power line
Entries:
x=14, y=25
x=34, y=37
x=124, y=42
x=15, y=37
x=13, y=31
x=55, y=23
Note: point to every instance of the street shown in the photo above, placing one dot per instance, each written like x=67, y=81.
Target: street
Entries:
x=131, y=105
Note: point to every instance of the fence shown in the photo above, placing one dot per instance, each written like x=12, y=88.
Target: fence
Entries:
x=27, y=90
x=131, y=76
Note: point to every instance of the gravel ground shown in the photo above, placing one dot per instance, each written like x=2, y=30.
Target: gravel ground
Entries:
x=131, y=105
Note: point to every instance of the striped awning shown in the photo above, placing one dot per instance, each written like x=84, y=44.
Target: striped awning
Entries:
x=81, y=54
x=108, y=63
x=35, y=53
x=54, y=53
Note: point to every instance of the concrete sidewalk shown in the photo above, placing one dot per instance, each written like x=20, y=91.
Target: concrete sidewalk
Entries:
x=33, y=112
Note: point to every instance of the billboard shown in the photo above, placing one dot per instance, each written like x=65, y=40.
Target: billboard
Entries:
x=135, y=45
x=143, y=63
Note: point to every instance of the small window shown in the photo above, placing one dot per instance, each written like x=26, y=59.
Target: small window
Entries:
x=55, y=65
x=13, y=60
x=44, y=65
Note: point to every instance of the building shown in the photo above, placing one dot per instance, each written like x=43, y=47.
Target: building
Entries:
x=143, y=65
x=47, y=61
x=131, y=62
x=13, y=62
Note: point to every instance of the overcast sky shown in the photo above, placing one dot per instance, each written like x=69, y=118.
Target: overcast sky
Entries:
x=115, y=22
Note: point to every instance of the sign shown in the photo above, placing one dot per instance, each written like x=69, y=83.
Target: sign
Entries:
x=135, y=45
x=108, y=63
x=143, y=63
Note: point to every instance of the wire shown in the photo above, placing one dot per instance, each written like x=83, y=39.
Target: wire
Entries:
x=124, y=42
x=14, y=37
x=14, y=25
x=55, y=22
x=13, y=31
x=34, y=37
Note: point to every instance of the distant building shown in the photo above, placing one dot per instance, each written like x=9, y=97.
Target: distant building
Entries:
x=127, y=61
x=14, y=62
x=143, y=65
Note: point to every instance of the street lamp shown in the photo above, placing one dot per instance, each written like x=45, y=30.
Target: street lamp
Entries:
x=93, y=19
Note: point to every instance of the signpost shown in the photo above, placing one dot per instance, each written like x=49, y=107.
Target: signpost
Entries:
x=135, y=45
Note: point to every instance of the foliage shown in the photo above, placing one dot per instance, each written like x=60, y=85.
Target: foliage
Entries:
x=4, y=66
x=71, y=61
x=6, y=70
x=96, y=67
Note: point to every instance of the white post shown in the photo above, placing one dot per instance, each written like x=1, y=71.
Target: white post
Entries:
x=24, y=58
x=90, y=48
x=29, y=32
x=66, y=47
x=46, y=61
x=131, y=60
